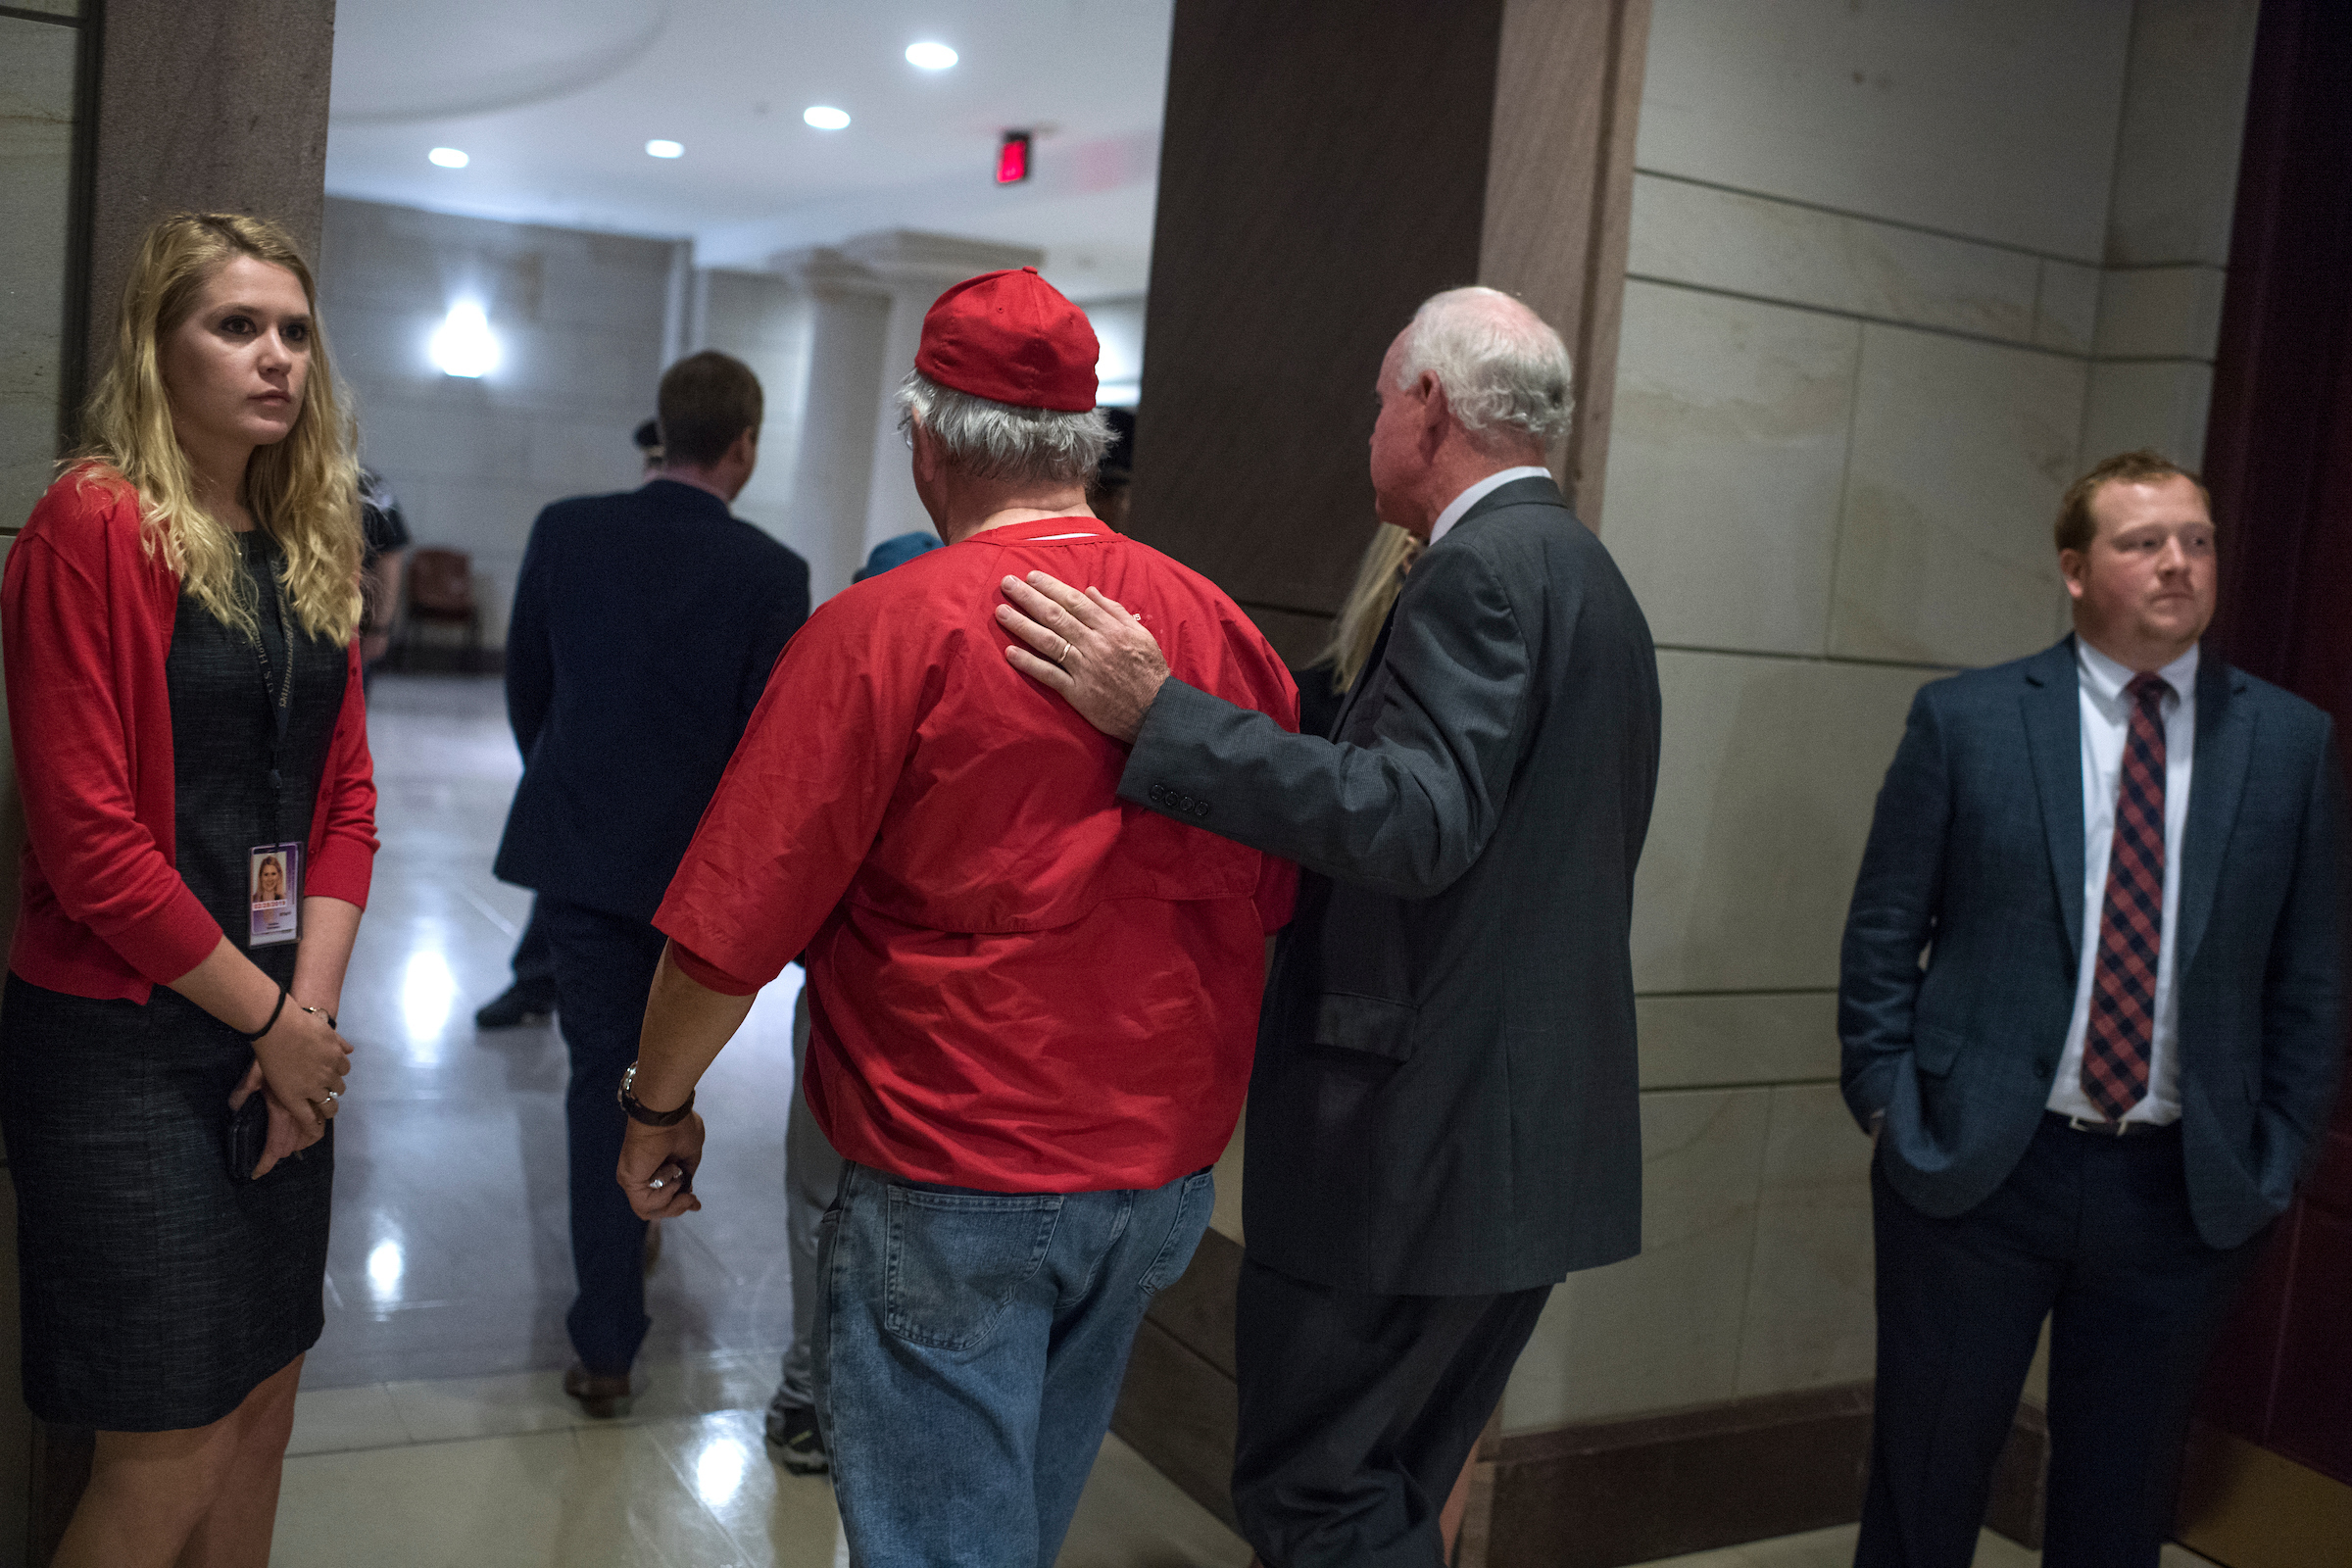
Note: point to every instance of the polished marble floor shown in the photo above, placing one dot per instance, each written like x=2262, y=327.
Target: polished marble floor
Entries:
x=1834, y=1549
x=449, y=1257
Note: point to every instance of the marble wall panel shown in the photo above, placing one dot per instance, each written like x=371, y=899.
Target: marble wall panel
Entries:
x=2066, y=307
x=1768, y=773
x=2161, y=404
x=1662, y=1329
x=596, y=454
x=1960, y=452
x=1724, y=1038
x=765, y=321
x=2161, y=313
x=1809, y=1318
x=1743, y=244
x=2184, y=118
x=36, y=157
x=1993, y=121
x=580, y=319
x=1725, y=463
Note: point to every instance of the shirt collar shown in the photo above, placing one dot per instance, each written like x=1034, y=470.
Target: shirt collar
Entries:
x=1476, y=493
x=2106, y=679
x=1044, y=530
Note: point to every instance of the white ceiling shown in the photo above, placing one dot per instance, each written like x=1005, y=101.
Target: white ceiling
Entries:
x=554, y=101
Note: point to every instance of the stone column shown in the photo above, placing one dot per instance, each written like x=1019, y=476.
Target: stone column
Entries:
x=1277, y=283
x=914, y=268
x=848, y=311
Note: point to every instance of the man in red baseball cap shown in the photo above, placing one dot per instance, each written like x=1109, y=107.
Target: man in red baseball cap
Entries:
x=1033, y=1007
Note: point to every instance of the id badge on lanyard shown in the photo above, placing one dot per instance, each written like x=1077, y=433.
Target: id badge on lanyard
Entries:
x=274, y=883
x=274, y=871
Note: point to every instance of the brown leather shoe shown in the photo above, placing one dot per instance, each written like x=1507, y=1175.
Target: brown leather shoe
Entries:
x=602, y=1396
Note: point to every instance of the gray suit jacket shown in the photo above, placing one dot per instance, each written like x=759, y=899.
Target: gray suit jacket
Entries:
x=1445, y=1096
x=1976, y=862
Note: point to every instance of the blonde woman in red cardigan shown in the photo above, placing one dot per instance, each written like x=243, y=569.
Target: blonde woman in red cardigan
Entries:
x=183, y=696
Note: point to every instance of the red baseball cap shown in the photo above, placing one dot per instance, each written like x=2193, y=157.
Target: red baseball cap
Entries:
x=1013, y=338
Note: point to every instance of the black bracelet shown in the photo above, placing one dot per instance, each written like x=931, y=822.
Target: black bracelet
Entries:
x=255, y=1037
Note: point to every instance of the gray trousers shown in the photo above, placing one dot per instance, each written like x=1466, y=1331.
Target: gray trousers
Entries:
x=811, y=1176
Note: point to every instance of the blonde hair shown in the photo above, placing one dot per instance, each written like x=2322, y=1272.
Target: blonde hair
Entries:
x=1379, y=579
x=304, y=489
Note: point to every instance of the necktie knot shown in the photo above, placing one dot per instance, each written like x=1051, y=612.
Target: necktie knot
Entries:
x=2148, y=690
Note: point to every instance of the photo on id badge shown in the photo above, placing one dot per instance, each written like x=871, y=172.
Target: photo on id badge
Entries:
x=275, y=877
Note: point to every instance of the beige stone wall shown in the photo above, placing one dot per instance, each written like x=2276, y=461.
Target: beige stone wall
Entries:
x=580, y=319
x=1896, y=274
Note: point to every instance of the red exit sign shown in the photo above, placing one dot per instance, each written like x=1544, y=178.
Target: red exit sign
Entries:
x=1013, y=158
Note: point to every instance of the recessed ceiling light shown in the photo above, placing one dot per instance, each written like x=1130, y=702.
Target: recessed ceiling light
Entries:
x=658, y=148
x=825, y=118
x=930, y=56
x=449, y=158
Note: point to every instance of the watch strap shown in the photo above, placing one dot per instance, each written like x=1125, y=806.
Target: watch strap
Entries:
x=638, y=1112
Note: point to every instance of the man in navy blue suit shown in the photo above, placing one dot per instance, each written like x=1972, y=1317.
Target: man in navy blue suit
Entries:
x=645, y=626
x=2092, y=1014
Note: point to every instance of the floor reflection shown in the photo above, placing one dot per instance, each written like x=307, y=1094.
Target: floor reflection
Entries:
x=448, y=1256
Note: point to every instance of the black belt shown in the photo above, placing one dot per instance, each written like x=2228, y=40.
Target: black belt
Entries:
x=2110, y=1129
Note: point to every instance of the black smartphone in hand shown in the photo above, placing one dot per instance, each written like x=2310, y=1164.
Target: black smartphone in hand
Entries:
x=248, y=1136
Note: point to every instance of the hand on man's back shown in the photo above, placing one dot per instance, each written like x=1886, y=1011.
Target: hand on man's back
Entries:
x=1086, y=647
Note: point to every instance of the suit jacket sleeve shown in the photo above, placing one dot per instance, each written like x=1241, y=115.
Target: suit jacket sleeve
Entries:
x=530, y=661
x=2303, y=991
x=1893, y=918
x=786, y=609
x=1406, y=815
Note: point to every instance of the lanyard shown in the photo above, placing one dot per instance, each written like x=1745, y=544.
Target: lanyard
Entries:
x=277, y=690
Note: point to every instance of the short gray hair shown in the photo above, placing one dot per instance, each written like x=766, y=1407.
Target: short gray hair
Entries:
x=1002, y=440
x=1506, y=372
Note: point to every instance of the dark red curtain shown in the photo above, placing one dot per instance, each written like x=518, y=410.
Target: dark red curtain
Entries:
x=2278, y=458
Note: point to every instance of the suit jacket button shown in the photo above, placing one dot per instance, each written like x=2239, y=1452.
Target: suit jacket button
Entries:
x=1200, y=807
x=2046, y=1066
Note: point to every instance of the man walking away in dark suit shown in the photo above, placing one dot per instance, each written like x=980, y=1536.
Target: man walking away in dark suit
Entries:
x=2091, y=1007
x=1444, y=1118
x=645, y=626
x=531, y=998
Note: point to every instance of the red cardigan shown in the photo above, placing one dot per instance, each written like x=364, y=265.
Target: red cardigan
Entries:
x=85, y=625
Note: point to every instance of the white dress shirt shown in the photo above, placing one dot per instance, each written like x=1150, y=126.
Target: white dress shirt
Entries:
x=1476, y=493
x=2106, y=722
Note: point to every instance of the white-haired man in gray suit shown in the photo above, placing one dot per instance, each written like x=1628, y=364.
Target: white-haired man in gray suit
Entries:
x=1444, y=1119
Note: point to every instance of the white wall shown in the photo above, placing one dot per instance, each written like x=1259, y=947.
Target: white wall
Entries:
x=1898, y=275
x=580, y=318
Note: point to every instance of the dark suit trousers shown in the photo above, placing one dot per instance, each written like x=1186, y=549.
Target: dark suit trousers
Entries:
x=2096, y=1234
x=534, y=961
x=604, y=971
x=1357, y=1411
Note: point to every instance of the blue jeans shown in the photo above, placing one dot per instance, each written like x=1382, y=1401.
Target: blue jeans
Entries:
x=969, y=1354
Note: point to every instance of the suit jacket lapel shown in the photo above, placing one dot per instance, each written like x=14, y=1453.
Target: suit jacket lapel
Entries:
x=2052, y=706
x=2217, y=778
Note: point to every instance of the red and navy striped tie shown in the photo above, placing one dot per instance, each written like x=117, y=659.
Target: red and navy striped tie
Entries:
x=2123, y=989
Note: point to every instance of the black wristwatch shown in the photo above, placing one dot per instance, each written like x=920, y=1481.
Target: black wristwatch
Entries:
x=637, y=1109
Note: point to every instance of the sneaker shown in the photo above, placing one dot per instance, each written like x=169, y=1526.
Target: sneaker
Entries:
x=514, y=1007
x=793, y=1438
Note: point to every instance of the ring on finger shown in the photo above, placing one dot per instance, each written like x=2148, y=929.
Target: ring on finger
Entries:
x=1066, y=652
